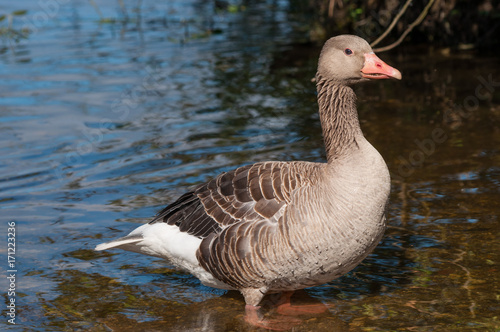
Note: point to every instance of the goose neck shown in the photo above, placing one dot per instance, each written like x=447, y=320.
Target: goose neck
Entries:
x=339, y=117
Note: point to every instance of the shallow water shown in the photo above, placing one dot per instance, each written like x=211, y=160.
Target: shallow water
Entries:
x=106, y=118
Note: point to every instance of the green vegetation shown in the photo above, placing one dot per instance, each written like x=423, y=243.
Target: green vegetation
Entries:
x=457, y=23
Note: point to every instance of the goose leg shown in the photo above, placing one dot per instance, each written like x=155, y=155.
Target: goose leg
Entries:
x=252, y=316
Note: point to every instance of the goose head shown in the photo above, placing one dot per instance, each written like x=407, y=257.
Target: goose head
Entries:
x=349, y=59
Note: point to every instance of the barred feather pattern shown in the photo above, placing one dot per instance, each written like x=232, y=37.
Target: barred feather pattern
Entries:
x=250, y=193
x=338, y=114
x=250, y=206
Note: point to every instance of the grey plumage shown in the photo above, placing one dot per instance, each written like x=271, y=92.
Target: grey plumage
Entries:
x=281, y=226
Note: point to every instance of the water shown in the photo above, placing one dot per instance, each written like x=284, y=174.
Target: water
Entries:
x=105, y=118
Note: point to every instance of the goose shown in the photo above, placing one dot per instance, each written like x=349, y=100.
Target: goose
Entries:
x=280, y=226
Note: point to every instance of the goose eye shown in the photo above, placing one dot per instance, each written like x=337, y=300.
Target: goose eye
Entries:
x=348, y=51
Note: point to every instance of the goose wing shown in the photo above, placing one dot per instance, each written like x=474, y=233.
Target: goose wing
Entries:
x=236, y=216
x=250, y=193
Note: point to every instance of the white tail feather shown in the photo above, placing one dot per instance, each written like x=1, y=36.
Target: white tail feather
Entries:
x=168, y=242
x=124, y=241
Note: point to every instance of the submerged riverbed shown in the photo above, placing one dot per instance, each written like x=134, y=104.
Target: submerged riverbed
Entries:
x=109, y=113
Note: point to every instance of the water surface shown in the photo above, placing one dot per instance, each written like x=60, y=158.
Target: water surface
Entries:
x=108, y=114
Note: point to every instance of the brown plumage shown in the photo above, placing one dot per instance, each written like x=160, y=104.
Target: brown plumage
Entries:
x=282, y=226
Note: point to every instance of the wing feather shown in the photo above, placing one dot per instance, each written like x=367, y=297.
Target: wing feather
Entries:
x=249, y=193
x=234, y=211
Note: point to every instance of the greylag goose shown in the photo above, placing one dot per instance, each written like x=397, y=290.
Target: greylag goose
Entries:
x=278, y=226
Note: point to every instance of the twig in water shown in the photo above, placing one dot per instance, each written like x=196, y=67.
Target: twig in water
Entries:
x=96, y=7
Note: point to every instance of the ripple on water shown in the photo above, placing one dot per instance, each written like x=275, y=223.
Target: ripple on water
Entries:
x=104, y=120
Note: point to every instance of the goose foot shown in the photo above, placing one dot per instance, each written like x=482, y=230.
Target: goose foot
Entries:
x=286, y=308
x=283, y=323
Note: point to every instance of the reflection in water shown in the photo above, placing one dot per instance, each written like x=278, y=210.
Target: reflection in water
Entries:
x=103, y=122
x=125, y=307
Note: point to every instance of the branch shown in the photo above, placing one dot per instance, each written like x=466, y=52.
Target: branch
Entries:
x=393, y=23
x=408, y=30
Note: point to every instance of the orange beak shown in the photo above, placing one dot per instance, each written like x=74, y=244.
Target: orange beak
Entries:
x=377, y=69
